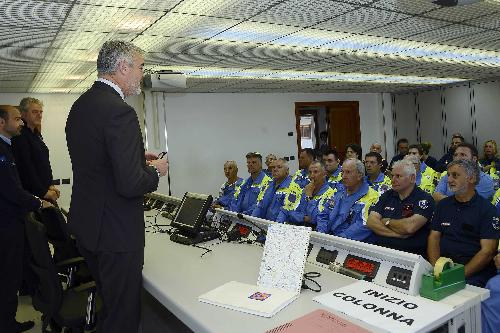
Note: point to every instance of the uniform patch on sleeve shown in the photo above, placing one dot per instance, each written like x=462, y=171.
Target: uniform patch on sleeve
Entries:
x=331, y=203
x=496, y=223
x=424, y=204
x=292, y=197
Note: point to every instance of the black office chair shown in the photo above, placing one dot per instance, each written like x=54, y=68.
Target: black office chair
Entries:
x=73, y=308
x=63, y=244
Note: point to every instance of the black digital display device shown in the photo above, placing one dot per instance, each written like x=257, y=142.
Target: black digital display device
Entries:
x=191, y=217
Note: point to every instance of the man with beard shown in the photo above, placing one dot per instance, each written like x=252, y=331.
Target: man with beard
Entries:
x=465, y=226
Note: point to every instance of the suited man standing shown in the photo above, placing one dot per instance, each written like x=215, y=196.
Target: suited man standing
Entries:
x=15, y=202
x=111, y=175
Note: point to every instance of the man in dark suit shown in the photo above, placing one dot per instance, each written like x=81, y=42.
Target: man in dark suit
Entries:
x=32, y=154
x=111, y=176
x=15, y=202
x=33, y=164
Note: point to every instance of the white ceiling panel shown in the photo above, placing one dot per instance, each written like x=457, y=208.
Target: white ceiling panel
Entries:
x=105, y=19
x=303, y=13
x=189, y=25
x=406, y=6
x=363, y=19
x=409, y=27
x=238, y=9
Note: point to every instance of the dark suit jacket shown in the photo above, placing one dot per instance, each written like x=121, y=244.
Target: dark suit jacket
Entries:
x=110, y=175
x=32, y=159
x=15, y=202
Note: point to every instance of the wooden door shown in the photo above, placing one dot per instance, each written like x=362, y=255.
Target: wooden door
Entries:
x=344, y=125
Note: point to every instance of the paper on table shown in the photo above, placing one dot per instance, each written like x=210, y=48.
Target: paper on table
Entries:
x=319, y=321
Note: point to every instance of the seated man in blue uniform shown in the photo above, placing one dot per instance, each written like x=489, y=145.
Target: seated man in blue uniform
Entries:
x=246, y=196
x=485, y=186
x=465, y=226
x=374, y=175
x=333, y=168
x=270, y=158
x=347, y=211
x=15, y=202
x=490, y=307
x=280, y=190
x=401, y=217
x=227, y=190
x=301, y=177
x=427, y=178
x=316, y=194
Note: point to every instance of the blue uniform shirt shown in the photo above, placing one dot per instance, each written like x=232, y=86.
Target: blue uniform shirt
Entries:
x=382, y=184
x=311, y=207
x=301, y=177
x=347, y=214
x=226, y=193
x=392, y=207
x=274, y=198
x=335, y=179
x=485, y=188
x=246, y=198
x=462, y=225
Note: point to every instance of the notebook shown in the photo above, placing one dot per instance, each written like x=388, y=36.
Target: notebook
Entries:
x=260, y=301
x=280, y=276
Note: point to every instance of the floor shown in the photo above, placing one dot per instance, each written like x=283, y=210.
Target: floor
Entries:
x=155, y=318
x=26, y=312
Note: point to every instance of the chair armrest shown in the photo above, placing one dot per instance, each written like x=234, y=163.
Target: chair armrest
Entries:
x=90, y=286
x=71, y=262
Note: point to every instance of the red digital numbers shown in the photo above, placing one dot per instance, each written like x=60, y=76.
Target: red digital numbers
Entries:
x=360, y=266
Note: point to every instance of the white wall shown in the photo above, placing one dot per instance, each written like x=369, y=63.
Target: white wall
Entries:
x=204, y=130
x=472, y=109
x=56, y=109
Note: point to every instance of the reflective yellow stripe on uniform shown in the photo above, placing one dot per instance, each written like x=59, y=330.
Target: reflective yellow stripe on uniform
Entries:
x=324, y=198
x=295, y=192
x=263, y=185
x=369, y=199
x=429, y=180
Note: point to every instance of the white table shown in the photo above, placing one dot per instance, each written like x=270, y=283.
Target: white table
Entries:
x=176, y=275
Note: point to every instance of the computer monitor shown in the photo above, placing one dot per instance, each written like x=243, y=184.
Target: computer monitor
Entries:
x=192, y=213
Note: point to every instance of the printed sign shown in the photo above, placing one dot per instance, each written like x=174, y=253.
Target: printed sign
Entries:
x=385, y=308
